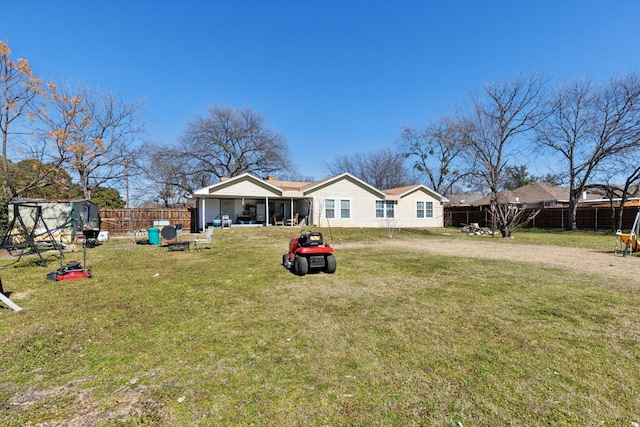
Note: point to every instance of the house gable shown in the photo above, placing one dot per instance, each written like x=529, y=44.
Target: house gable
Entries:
x=344, y=179
x=403, y=192
x=419, y=206
x=246, y=185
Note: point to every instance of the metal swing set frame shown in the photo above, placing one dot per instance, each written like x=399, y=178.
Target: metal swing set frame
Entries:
x=629, y=241
x=20, y=240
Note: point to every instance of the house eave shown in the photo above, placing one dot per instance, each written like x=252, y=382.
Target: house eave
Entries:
x=292, y=194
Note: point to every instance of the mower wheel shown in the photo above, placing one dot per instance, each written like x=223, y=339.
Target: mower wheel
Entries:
x=330, y=266
x=285, y=261
x=301, y=265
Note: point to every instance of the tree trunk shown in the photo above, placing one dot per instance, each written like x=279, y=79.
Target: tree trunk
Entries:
x=572, y=224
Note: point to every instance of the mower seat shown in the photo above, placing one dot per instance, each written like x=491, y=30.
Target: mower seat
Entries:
x=311, y=239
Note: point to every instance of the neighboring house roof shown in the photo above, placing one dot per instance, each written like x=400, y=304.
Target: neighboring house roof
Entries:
x=541, y=192
x=463, y=199
x=288, y=185
x=535, y=193
x=401, y=192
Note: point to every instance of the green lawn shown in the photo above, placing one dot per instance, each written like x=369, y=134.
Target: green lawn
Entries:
x=226, y=336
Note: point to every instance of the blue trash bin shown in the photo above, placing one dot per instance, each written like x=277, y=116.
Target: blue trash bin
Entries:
x=154, y=235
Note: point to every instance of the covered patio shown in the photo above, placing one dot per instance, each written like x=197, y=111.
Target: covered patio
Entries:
x=246, y=200
x=251, y=211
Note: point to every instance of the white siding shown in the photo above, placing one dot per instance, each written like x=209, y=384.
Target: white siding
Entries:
x=246, y=188
x=406, y=211
x=362, y=204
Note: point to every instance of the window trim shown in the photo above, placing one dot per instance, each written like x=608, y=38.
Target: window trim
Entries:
x=427, y=209
x=337, y=208
x=326, y=215
x=385, y=208
x=349, y=208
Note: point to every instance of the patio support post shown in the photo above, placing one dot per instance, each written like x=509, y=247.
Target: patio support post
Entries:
x=203, y=216
x=267, y=215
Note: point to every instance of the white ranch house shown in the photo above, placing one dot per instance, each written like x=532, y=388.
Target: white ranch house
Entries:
x=340, y=201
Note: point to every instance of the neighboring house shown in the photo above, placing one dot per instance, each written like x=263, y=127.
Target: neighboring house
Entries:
x=535, y=195
x=339, y=201
x=463, y=199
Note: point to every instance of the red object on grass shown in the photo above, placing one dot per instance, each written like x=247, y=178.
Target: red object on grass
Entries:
x=74, y=275
x=309, y=252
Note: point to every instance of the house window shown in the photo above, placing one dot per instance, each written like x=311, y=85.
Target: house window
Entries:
x=379, y=208
x=391, y=209
x=385, y=209
x=329, y=208
x=345, y=209
x=424, y=209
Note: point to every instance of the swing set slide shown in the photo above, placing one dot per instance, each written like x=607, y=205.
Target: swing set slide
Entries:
x=629, y=241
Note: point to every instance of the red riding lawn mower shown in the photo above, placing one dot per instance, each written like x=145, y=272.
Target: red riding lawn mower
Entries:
x=309, y=252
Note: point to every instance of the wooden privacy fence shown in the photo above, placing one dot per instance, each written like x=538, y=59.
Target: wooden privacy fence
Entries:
x=130, y=219
x=586, y=218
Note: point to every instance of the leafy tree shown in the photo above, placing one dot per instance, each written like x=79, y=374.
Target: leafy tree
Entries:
x=58, y=185
x=382, y=168
x=107, y=198
x=551, y=178
x=515, y=177
x=587, y=124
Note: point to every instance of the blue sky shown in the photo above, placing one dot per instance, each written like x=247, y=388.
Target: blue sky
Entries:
x=334, y=77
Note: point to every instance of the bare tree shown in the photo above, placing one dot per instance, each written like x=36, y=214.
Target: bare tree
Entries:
x=94, y=132
x=22, y=96
x=436, y=151
x=587, y=125
x=497, y=128
x=227, y=142
x=630, y=188
x=381, y=169
x=513, y=217
x=168, y=178
x=626, y=166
